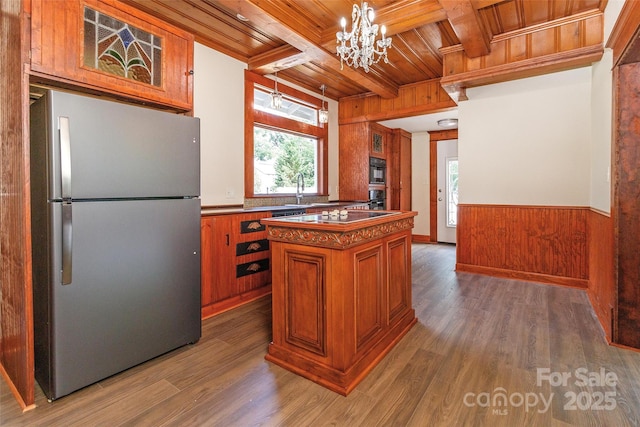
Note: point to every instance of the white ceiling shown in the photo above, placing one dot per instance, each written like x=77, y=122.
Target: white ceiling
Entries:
x=425, y=123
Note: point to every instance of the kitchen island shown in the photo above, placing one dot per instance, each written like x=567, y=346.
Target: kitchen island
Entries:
x=341, y=290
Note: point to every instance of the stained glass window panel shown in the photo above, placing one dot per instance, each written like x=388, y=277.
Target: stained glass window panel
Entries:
x=118, y=48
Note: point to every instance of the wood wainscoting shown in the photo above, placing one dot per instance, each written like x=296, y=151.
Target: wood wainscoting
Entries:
x=602, y=288
x=539, y=243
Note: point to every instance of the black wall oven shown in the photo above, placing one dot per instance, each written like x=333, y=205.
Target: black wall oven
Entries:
x=377, y=200
x=377, y=170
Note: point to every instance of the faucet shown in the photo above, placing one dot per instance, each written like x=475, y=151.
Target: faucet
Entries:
x=299, y=188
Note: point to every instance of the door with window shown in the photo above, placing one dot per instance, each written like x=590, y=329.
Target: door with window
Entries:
x=447, y=190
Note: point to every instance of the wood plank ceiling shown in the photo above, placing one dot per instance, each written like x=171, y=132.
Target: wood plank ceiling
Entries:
x=298, y=37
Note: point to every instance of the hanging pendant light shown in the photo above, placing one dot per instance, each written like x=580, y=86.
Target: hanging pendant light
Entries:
x=276, y=97
x=323, y=113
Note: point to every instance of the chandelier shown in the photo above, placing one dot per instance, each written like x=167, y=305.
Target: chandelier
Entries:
x=323, y=113
x=358, y=48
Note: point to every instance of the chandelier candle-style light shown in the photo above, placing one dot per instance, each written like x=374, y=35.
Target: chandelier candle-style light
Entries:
x=359, y=48
x=323, y=113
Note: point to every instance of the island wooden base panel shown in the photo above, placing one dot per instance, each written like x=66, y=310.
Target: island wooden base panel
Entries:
x=331, y=378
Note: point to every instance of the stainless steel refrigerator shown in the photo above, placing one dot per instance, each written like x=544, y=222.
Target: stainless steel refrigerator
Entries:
x=115, y=237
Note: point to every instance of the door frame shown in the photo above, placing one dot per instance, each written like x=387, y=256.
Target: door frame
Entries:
x=434, y=137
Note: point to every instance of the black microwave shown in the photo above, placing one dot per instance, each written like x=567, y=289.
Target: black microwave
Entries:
x=377, y=170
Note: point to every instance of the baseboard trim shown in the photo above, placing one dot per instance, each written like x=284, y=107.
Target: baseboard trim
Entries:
x=523, y=275
x=234, y=302
x=420, y=238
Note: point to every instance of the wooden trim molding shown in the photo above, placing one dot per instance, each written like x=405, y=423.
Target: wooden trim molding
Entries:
x=252, y=117
x=420, y=238
x=234, y=302
x=541, y=243
x=337, y=239
x=434, y=137
x=624, y=32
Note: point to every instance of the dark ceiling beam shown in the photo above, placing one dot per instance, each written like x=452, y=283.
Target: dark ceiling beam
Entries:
x=467, y=25
x=272, y=16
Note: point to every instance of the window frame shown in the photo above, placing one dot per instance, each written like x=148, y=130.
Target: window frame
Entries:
x=255, y=117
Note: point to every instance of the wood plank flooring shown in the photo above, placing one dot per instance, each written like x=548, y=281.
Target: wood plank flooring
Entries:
x=478, y=339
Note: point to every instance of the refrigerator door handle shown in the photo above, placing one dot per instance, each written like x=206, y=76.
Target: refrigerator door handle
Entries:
x=67, y=243
x=65, y=157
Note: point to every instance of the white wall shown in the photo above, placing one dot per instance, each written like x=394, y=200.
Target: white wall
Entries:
x=420, y=182
x=527, y=142
x=601, y=122
x=218, y=99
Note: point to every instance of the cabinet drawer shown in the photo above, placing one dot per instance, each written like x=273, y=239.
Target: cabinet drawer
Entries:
x=252, y=267
x=251, y=226
x=254, y=246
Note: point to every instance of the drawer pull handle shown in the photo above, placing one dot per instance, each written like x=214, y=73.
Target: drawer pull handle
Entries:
x=255, y=246
x=254, y=225
x=253, y=267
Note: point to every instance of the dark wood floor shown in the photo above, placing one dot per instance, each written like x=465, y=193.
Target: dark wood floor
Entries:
x=478, y=339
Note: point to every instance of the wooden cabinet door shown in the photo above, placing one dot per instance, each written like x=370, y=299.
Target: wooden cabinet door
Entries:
x=404, y=164
x=147, y=60
x=399, y=170
x=354, y=161
x=218, y=259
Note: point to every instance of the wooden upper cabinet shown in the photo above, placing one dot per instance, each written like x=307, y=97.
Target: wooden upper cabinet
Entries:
x=108, y=46
x=379, y=141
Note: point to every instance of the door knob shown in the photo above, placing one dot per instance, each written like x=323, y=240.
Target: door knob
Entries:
x=439, y=199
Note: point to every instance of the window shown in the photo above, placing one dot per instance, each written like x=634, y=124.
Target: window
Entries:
x=115, y=47
x=279, y=157
x=282, y=144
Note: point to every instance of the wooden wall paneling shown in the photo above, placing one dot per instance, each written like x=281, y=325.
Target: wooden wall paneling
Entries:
x=626, y=209
x=602, y=289
x=16, y=300
x=541, y=243
x=552, y=46
x=412, y=100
